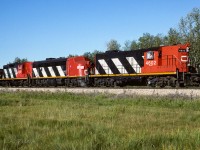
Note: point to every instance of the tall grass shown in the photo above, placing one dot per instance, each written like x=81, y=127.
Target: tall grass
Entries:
x=44, y=120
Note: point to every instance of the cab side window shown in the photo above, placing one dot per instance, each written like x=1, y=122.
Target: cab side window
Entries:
x=150, y=55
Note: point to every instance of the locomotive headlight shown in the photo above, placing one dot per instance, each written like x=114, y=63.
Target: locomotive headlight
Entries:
x=187, y=49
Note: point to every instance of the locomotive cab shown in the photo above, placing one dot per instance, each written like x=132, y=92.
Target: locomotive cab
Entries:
x=166, y=59
x=171, y=63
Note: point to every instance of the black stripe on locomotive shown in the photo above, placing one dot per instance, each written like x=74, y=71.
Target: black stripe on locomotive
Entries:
x=9, y=67
x=50, y=62
x=121, y=55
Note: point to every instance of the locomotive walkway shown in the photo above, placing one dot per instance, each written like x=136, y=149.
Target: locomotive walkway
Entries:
x=190, y=93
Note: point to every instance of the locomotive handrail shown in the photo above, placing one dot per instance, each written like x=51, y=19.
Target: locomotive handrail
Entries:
x=177, y=59
x=169, y=59
x=173, y=58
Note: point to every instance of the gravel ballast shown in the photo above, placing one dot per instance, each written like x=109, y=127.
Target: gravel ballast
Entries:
x=193, y=93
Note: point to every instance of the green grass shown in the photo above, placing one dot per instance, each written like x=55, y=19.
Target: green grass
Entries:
x=39, y=120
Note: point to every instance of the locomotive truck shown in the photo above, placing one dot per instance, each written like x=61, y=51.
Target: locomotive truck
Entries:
x=159, y=66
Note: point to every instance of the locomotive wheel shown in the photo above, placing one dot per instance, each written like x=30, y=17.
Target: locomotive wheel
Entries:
x=6, y=84
x=114, y=84
x=181, y=84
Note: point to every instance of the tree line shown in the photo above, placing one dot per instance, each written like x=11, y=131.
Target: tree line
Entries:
x=188, y=31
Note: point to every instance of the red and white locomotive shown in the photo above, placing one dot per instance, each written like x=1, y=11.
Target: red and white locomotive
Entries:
x=161, y=66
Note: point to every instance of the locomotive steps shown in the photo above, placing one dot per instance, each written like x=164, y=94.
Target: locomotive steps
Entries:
x=190, y=93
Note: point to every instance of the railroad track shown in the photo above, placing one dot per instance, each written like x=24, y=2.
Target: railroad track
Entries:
x=191, y=93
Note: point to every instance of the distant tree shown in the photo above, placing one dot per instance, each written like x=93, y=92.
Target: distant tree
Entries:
x=88, y=55
x=92, y=55
x=146, y=41
x=173, y=37
x=158, y=40
x=165, y=40
x=20, y=60
x=113, y=45
x=96, y=52
x=190, y=32
x=70, y=55
x=127, y=45
x=134, y=45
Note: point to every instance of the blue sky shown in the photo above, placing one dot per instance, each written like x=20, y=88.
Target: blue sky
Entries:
x=38, y=29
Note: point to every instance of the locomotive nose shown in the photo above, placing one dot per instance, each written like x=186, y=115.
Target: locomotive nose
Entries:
x=184, y=58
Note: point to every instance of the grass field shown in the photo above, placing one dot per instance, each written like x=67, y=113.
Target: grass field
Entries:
x=38, y=120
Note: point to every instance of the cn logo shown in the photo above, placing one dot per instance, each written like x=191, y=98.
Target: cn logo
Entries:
x=80, y=68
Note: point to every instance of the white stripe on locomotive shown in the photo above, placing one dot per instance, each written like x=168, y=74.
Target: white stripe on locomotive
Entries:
x=96, y=71
x=6, y=73
x=43, y=72
x=10, y=71
x=134, y=64
x=105, y=66
x=119, y=66
x=36, y=72
x=61, y=72
x=51, y=71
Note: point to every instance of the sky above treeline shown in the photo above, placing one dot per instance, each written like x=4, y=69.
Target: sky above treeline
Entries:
x=40, y=29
